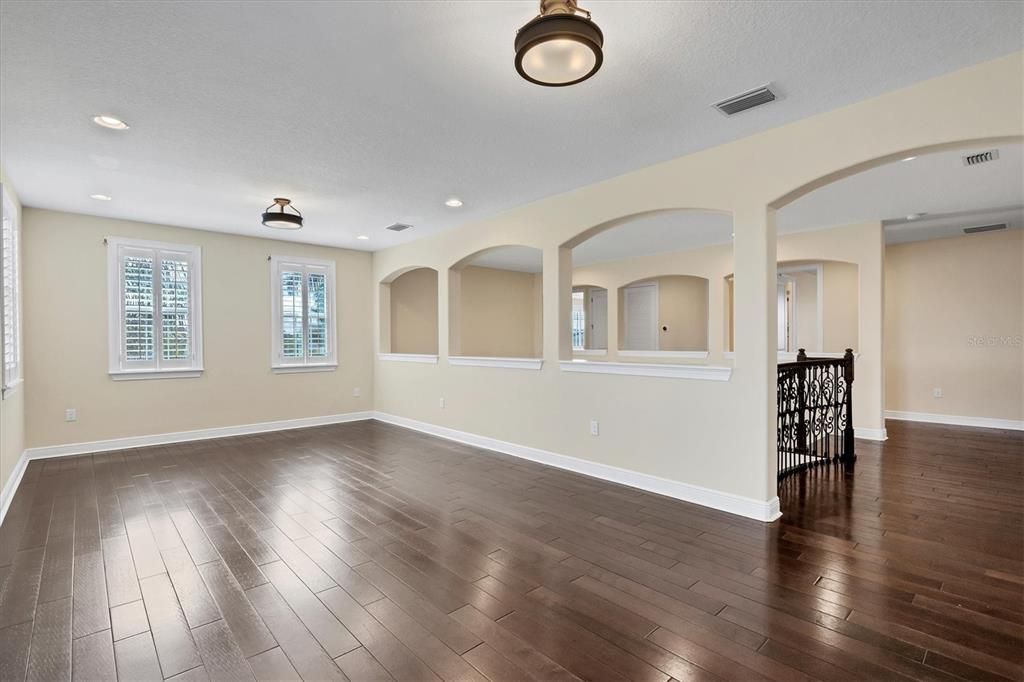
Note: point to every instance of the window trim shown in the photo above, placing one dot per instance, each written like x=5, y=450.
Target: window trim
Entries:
x=8, y=383
x=277, y=363
x=117, y=371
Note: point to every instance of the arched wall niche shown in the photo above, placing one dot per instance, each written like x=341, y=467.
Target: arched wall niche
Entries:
x=496, y=303
x=409, y=311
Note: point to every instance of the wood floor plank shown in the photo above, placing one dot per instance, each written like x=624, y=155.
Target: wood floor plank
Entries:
x=92, y=658
x=50, y=652
x=222, y=659
x=246, y=626
x=171, y=636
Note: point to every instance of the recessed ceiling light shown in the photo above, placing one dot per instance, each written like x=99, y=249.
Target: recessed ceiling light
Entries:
x=910, y=158
x=281, y=219
x=915, y=216
x=111, y=122
x=362, y=236
x=559, y=47
x=454, y=202
x=100, y=197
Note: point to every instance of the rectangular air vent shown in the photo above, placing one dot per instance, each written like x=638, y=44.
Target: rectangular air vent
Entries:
x=985, y=228
x=398, y=227
x=981, y=157
x=747, y=100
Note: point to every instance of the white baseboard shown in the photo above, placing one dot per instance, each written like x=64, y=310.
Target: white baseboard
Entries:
x=12, y=485
x=734, y=504
x=70, y=449
x=869, y=434
x=955, y=420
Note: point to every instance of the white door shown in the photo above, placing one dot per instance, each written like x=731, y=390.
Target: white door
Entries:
x=641, y=314
x=599, y=319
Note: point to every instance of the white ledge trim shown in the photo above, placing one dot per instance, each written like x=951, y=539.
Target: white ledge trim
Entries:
x=590, y=351
x=791, y=357
x=408, y=357
x=504, y=363
x=687, y=354
x=956, y=420
x=734, y=504
x=640, y=369
x=136, y=375
x=303, y=369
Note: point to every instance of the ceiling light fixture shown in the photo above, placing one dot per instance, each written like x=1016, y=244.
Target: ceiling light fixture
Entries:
x=454, y=202
x=362, y=236
x=111, y=122
x=281, y=219
x=915, y=216
x=558, y=47
x=909, y=158
x=100, y=197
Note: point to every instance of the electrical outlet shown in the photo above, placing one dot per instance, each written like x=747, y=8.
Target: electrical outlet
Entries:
x=441, y=403
x=936, y=392
x=595, y=428
x=71, y=415
x=356, y=392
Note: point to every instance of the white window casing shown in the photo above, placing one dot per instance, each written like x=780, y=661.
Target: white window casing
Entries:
x=10, y=296
x=155, y=309
x=303, y=315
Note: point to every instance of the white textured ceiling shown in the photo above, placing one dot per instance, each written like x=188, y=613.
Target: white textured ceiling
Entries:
x=367, y=113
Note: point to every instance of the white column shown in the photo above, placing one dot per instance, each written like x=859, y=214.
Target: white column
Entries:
x=557, y=285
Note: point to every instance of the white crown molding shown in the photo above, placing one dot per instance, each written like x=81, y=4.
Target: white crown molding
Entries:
x=408, y=357
x=640, y=369
x=504, y=363
x=870, y=434
x=681, y=354
x=70, y=449
x=956, y=420
x=727, y=502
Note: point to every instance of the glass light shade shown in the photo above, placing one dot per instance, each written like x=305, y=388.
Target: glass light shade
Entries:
x=558, y=50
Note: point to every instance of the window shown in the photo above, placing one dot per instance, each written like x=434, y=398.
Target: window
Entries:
x=10, y=303
x=155, y=309
x=579, y=320
x=302, y=303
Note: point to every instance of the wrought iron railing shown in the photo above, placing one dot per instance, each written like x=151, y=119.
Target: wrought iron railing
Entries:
x=815, y=397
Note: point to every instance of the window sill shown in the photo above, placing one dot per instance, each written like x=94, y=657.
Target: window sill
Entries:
x=503, y=363
x=11, y=388
x=136, y=375
x=408, y=357
x=679, y=354
x=591, y=351
x=304, y=369
x=637, y=369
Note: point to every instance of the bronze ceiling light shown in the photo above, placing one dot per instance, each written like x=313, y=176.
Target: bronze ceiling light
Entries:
x=282, y=219
x=559, y=47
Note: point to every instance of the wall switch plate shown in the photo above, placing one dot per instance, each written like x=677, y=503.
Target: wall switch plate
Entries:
x=71, y=415
x=936, y=392
x=356, y=392
x=441, y=403
x=595, y=428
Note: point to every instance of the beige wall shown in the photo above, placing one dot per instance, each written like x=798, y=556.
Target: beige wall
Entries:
x=682, y=307
x=12, y=407
x=66, y=262
x=839, y=308
x=954, y=313
x=414, y=312
x=500, y=313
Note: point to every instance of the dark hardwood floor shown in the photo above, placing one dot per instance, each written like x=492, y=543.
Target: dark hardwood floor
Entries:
x=369, y=552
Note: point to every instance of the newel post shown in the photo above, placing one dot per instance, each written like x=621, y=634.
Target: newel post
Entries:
x=849, y=456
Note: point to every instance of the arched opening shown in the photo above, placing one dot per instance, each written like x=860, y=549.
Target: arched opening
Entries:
x=654, y=269
x=408, y=315
x=496, y=304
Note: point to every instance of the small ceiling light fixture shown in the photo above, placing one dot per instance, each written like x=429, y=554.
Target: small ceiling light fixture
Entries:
x=111, y=122
x=558, y=47
x=100, y=197
x=915, y=216
x=362, y=236
x=453, y=202
x=909, y=158
x=282, y=219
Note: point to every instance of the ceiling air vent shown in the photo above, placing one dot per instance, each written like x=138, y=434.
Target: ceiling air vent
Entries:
x=747, y=100
x=985, y=228
x=981, y=157
x=398, y=227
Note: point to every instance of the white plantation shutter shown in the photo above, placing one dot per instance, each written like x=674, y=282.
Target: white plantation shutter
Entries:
x=155, y=303
x=10, y=300
x=303, y=310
